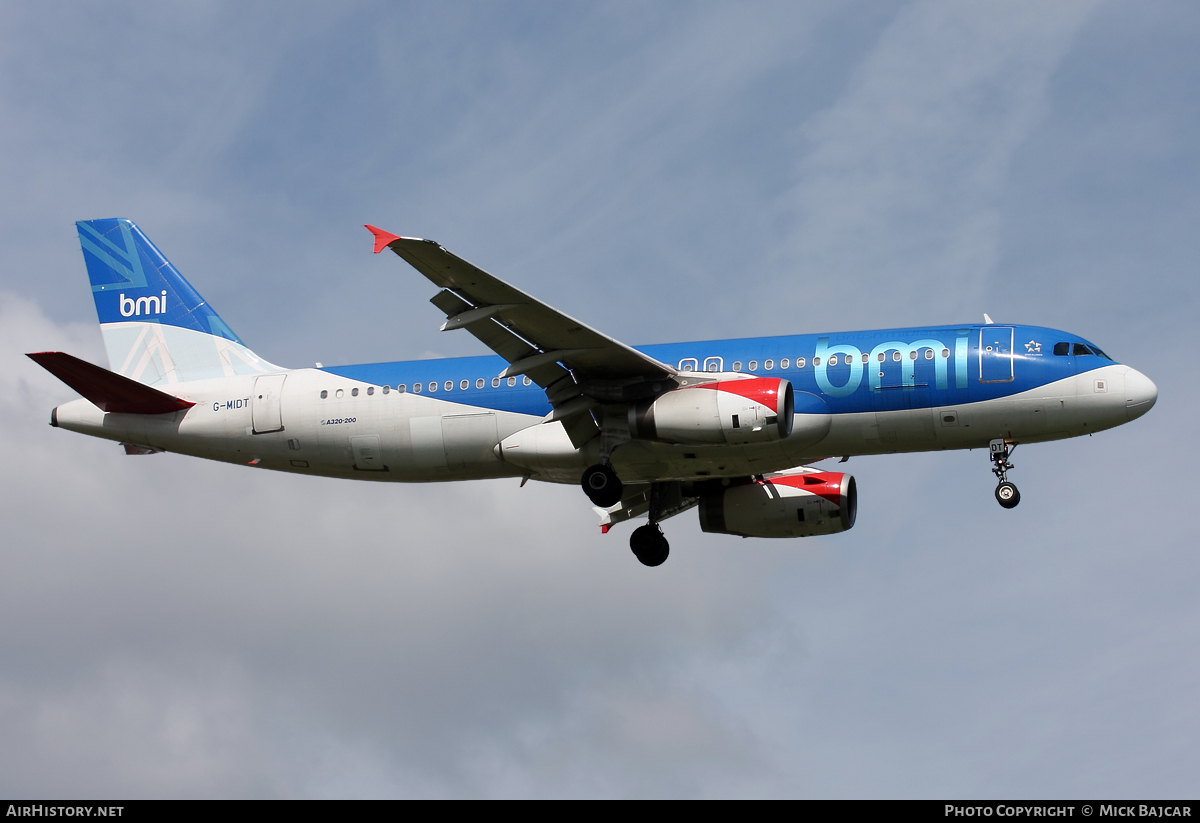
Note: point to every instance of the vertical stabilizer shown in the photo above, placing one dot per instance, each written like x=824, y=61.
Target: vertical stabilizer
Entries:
x=157, y=329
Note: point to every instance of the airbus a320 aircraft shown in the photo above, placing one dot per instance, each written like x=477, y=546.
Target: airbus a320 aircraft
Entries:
x=726, y=426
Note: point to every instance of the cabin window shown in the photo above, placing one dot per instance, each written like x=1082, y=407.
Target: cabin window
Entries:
x=688, y=364
x=799, y=362
x=339, y=393
x=525, y=381
x=816, y=361
x=1080, y=349
x=945, y=352
x=737, y=365
x=387, y=389
x=417, y=388
x=512, y=381
x=714, y=364
x=464, y=384
x=433, y=385
x=324, y=394
x=753, y=365
x=768, y=365
x=402, y=388
x=912, y=355
x=881, y=357
x=929, y=354
x=495, y=382
x=354, y=392
x=866, y=358
x=785, y=363
x=449, y=385
x=896, y=356
x=370, y=390
x=479, y=383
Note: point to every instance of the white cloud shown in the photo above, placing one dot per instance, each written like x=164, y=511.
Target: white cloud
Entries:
x=898, y=193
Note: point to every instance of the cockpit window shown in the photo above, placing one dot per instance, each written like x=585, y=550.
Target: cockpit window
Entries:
x=1062, y=349
x=1080, y=349
x=1100, y=353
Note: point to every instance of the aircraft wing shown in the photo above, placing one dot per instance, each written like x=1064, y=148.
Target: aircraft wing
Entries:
x=535, y=339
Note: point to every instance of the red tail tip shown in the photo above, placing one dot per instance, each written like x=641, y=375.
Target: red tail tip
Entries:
x=382, y=238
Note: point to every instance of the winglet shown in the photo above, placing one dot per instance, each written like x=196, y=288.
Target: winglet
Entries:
x=382, y=238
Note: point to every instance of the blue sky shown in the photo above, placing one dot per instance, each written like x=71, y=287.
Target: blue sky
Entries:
x=676, y=171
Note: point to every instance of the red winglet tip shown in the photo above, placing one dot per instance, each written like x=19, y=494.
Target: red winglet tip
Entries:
x=382, y=238
x=604, y=530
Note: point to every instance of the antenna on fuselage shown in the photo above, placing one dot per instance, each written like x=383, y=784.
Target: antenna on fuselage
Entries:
x=987, y=319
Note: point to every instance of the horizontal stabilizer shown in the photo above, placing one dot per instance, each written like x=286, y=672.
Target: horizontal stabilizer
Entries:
x=108, y=391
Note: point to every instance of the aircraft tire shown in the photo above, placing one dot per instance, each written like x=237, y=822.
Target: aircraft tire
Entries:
x=602, y=486
x=649, y=545
x=1007, y=495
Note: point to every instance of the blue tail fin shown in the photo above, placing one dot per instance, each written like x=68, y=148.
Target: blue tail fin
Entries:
x=157, y=328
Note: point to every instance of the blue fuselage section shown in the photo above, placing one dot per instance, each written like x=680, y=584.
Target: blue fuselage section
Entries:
x=861, y=371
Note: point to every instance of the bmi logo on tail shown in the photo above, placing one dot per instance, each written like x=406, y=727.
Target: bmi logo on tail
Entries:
x=131, y=307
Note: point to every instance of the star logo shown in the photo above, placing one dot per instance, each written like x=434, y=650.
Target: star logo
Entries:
x=1033, y=347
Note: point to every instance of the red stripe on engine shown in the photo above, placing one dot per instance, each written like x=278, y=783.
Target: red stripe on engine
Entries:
x=830, y=486
x=763, y=390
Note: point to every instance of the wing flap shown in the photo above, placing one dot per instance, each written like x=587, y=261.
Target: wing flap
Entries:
x=107, y=390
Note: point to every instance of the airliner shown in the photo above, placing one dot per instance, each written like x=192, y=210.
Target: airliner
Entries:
x=731, y=428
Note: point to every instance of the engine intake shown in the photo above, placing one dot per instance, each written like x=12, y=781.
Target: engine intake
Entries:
x=784, y=505
x=755, y=410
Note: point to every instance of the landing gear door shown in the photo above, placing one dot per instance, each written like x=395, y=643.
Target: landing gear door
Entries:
x=265, y=403
x=995, y=354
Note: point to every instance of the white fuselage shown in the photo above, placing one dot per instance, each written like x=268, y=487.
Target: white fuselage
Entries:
x=282, y=422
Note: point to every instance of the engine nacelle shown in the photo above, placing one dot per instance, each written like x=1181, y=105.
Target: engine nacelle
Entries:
x=784, y=505
x=755, y=410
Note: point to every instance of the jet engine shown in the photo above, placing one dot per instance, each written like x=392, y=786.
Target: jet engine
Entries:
x=783, y=505
x=755, y=410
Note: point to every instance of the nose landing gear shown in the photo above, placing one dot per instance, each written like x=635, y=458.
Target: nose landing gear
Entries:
x=1006, y=492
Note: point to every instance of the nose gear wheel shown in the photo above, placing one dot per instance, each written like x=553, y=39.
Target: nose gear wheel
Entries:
x=1007, y=495
x=1006, y=492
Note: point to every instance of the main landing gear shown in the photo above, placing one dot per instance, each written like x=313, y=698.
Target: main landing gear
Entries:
x=604, y=489
x=649, y=544
x=1006, y=493
x=602, y=486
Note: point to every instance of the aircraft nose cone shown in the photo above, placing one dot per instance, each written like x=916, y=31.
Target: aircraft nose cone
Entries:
x=1140, y=394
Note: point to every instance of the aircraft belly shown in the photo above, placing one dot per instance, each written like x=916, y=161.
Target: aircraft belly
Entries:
x=905, y=427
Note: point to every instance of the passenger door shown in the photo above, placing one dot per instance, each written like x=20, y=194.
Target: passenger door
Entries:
x=996, y=354
x=265, y=411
